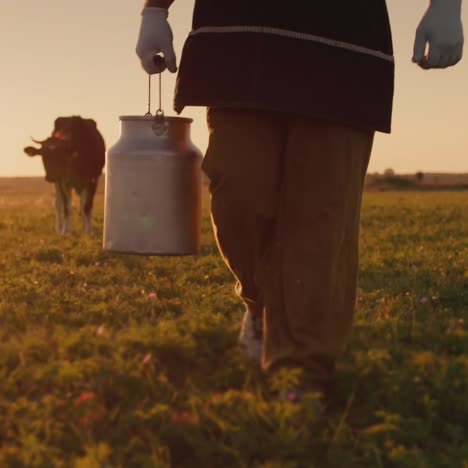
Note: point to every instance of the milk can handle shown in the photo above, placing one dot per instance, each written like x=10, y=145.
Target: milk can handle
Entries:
x=159, y=125
x=159, y=61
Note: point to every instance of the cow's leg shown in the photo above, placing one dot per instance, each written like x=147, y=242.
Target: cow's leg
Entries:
x=59, y=208
x=86, y=205
x=67, y=226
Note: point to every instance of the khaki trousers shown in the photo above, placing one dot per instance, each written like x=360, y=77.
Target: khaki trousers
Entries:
x=286, y=197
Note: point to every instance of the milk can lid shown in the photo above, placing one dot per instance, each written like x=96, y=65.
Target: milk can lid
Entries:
x=151, y=117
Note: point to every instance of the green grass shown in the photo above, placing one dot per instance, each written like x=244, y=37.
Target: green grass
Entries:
x=118, y=361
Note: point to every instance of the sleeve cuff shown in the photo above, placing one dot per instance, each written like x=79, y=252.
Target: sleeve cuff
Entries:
x=158, y=3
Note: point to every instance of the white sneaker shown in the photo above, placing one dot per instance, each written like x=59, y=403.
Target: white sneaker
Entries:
x=251, y=336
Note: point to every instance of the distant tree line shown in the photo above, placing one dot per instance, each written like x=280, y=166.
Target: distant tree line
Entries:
x=389, y=180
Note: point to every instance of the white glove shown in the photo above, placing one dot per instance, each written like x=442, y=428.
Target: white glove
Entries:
x=442, y=28
x=155, y=37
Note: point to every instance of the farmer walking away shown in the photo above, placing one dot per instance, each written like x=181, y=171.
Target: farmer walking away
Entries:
x=295, y=93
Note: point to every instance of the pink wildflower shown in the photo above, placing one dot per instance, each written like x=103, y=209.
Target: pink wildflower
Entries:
x=182, y=417
x=152, y=296
x=85, y=397
x=147, y=358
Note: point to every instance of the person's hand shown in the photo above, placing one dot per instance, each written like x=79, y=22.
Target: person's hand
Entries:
x=156, y=37
x=441, y=28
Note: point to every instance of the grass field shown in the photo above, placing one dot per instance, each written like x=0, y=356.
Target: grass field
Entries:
x=119, y=361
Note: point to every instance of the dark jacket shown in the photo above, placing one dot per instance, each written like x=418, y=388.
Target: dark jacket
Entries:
x=327, y=59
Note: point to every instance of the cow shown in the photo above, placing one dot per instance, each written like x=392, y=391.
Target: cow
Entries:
x=73, y=158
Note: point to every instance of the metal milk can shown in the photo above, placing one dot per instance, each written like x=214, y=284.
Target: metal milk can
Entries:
x=153, y=188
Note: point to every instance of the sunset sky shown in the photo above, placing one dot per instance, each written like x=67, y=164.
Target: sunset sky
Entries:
x=60, y=57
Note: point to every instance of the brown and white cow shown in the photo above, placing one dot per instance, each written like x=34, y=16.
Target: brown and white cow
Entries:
x=73, y=158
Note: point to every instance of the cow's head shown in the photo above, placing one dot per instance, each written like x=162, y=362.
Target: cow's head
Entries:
x=64, y=136
x=72, y=128
x=47, y=147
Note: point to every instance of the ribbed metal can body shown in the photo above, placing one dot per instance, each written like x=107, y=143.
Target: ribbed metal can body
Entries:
x=153, y=189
